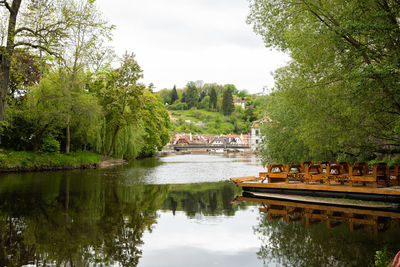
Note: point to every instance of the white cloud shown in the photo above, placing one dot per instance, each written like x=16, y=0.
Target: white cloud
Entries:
x=177, y=41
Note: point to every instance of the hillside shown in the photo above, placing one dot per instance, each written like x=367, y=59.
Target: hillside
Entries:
x=209, y=122
x=211, y=108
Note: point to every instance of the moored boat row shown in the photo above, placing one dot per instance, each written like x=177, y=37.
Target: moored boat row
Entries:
x=380, y=183
x=326, y=173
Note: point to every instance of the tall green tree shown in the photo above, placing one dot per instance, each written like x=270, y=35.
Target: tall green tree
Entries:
x=232, y=88
x=213, y=98
x=174, y=95
x=87, y=29
x=227, y=103
x=192, y=95
x=156, y=124
x=121, y=98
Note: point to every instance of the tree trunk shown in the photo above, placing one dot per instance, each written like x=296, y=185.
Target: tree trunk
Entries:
x=5, y=73
x=36, y=144
x=102, y=137
x=67, y=137
x=6, y=54
x=113, y=141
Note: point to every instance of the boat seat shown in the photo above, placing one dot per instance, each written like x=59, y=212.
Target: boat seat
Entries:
x=314, y=173
x=276, y=173
x=361, y=173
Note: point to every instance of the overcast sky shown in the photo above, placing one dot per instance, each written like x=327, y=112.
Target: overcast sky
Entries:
x=176, y=41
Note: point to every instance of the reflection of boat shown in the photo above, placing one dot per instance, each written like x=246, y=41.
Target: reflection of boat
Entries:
x=379, y=219
x=327, y=180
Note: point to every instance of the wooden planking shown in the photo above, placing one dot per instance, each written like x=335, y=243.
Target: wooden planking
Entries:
x=317, y=187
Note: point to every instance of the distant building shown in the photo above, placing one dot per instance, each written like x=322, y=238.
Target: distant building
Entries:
x=255, y=133
x=219, y=140
x=181, y=141
x=240, y=102
x=245, y=139
x=233, y=139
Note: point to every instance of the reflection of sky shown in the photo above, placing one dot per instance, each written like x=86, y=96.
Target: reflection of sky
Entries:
x=201, y=168
x=202, y=241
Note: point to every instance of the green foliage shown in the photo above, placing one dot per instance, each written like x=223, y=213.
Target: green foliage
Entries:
x=31, y=161
x=192, y=95
x=50, y=144
x=174, y=95
x=165, y=94
x=231, y=88
x=205, y=103
x=121, y=98
x=178, y=106
x=383, y=258
x=227, y=102
x=155, y=120
x=72, y=97
x=215, y=122
x=338, y=98
x=213, y=98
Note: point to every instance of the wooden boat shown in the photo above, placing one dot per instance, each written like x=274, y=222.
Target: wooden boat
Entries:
x=325, y=180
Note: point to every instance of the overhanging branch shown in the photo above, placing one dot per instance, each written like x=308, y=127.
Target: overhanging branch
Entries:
x=36, y=46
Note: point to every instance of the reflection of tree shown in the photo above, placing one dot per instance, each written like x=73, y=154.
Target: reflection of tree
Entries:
x=75, y=222
x=294, y=244
x=207, y=198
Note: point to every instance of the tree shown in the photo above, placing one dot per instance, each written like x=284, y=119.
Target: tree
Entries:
x=156, y=123
x=341, y=86
x=165, y=94
x=231, y=88
x=87, y=28
x=202, y=95
x=192, y=95
x=174, y=95
x=213, y=98
x=24, y=72
x=121, y=98
x=45, y=36
x=205, y=103
x=227, y=103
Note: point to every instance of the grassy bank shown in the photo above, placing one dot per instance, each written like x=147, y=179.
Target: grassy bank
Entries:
x=29, y=161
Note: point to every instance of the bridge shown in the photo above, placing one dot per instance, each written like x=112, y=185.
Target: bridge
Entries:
x=209, y=146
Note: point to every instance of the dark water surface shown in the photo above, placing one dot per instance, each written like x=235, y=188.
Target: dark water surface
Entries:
x=174, y=211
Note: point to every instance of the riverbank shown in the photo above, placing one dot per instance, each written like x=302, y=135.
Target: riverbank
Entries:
x=22, y=161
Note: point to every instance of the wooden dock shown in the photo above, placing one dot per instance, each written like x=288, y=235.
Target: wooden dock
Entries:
x=325, y=180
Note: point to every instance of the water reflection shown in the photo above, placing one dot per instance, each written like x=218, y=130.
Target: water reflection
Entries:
x=308, y=234
x=70, y=220
x=126, y=217
x=76, y=223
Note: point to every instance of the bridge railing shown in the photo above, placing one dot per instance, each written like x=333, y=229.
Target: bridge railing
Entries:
x=210, y=146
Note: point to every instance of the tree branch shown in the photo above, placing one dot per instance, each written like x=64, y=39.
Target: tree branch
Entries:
x=7, y=5
x=37, y=47
x=347, y=37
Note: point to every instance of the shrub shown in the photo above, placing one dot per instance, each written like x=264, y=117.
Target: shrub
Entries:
x=178, y=106
x=50, y=144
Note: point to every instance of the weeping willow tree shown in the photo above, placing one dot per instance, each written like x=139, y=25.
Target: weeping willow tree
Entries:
x=136, y=122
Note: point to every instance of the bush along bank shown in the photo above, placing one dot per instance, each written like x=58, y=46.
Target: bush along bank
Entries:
x=20, y=161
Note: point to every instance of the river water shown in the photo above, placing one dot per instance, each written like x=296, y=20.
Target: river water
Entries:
x=175, y=211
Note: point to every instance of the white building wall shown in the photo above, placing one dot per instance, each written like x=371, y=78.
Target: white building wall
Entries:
x=255, y=138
